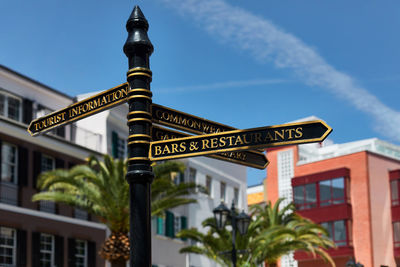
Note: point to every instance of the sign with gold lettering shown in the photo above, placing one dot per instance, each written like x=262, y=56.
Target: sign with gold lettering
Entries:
x=186, y=122
x=238, y=140
x=253, y=159
x=80, y=110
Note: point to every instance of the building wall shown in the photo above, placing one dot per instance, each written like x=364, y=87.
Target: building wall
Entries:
x=24, y=216
x=359, y=197
x=380, y=202
x=372, y=232
x=271, y=181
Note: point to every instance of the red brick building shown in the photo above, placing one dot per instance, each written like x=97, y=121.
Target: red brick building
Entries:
x=351, y=189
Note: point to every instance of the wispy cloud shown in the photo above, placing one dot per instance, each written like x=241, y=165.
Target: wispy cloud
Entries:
x=221, y=85
x=265, y=41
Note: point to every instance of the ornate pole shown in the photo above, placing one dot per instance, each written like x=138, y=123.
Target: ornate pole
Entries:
x=234, y=226
x=138, y=49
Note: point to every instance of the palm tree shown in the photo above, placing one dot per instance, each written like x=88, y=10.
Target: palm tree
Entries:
x=272, y=233
x=100, y=188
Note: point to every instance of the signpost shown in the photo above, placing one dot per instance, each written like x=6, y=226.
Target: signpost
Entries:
x=148, y=143
x=80, y=110
x=238, y=140
x=253, y=159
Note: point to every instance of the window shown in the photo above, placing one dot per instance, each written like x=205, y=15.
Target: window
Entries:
x=10, y=106
x=47, y=164
x=236, y=196
x=80, y=214
x=331, y=191
x=396, y=234
x=338, y=232
x=7, y=247
x=305, y=196
x=320, y=194
x=46, y=250
x=177, y=224
x=209, y=185
x=81, y=253
x=223, y=192
x=9, y=163
x=177, y=177
x=192, y=175
x=394, y=186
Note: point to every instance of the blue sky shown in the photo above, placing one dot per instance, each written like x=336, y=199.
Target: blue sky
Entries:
x=242, y=63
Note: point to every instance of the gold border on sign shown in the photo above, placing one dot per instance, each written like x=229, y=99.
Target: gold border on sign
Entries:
x=328, y=131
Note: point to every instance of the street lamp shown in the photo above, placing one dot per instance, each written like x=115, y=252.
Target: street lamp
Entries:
x=239, y=222
x=352, y=263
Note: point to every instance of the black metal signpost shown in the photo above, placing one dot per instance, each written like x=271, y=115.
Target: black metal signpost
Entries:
x=147, y=143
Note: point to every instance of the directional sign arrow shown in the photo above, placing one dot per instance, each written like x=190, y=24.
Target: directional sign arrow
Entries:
x=253, y=159
x=263, y=137
x=80, y=110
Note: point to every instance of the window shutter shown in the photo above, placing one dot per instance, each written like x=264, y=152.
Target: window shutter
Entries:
x=91, y=254
x=37, y=165
x=114, y=144
x=21, y=248
x=35, y=249
x=59, y=163
x=183, y=225
x=71, y=252
x=169, y=231
x=27, y=113
x=59, y=251
x=22, y=166
x=0, y=159
x=160, y=226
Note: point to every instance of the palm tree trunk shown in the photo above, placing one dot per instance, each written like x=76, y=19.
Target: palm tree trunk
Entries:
x=118, y=263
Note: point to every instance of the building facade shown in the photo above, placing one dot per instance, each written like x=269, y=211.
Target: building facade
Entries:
x=35, y=234
x=39, y=233
x=351, y=189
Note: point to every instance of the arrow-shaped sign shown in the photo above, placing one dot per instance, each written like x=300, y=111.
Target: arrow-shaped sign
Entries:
x=263, y=137
x=80, y=110
x=253, y=159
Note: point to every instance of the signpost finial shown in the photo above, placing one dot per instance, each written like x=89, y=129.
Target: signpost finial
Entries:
x=137, y=41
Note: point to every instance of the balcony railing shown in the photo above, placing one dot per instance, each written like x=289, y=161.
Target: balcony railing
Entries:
x=86, y=138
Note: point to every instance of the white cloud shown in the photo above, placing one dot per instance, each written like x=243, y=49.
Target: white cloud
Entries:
x=267, y=42
x=221, y=85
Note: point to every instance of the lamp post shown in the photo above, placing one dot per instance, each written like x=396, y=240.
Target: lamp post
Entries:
x=352, y=263
x=240, y=222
